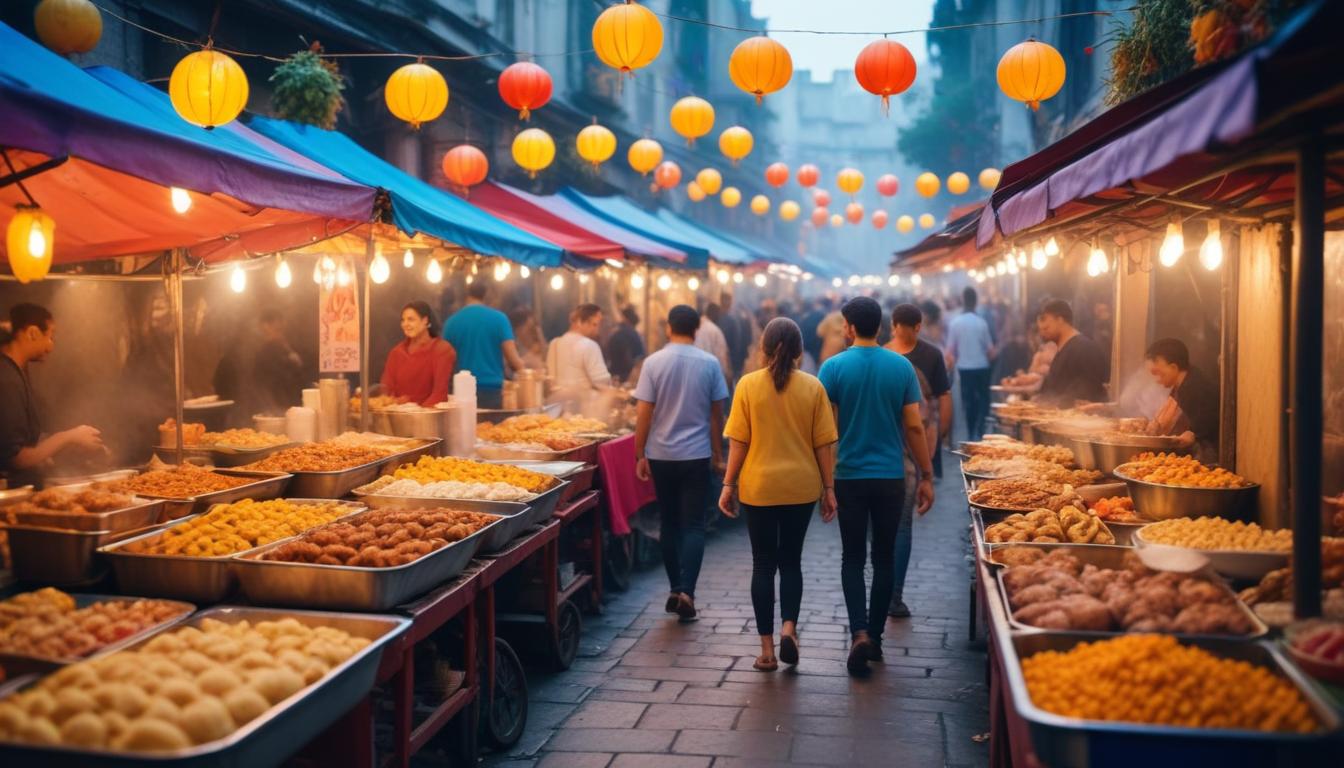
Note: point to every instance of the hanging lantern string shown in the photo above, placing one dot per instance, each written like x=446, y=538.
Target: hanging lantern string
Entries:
x=14, y=172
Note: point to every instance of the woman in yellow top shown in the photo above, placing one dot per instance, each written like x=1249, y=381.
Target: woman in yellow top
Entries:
x=781, y=460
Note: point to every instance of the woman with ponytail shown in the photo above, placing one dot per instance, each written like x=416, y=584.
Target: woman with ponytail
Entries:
x=781, y=461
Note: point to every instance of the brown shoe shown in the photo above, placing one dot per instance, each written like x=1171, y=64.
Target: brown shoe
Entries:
x=686, y=607
x=765, y=664
x=859, y=654
x=672, y=601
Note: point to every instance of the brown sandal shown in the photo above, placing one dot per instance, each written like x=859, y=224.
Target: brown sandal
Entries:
x=765, y=664
x=685, y=608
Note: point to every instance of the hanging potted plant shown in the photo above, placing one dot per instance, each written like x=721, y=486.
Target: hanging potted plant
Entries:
x=307, y=89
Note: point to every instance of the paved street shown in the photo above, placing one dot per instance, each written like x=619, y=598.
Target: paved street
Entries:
x=648, y=691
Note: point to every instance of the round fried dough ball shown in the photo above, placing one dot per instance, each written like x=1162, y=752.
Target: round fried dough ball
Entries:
x=85, y=729
x=151, y=735
x=206, y=719
x=245, y=704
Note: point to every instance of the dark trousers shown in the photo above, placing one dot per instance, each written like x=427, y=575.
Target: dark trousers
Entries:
x=878, y=502
x=489, y=398
x=682, y=488
x=777, y=534
x=974, y=400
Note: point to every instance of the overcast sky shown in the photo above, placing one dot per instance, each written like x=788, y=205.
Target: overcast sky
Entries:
x=824, y=54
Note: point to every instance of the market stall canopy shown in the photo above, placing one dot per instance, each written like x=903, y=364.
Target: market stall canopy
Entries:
x=722, y=247
x=953, y=244
x=629, y=238
x=529, y=216
x=101, y=162
x=417, y=206
x=1205, y=139
x=624, y=213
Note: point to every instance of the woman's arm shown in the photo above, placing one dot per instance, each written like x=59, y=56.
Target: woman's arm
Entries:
x=826, y=463
x=737, y=454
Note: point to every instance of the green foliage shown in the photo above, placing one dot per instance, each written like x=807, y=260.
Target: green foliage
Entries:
x=955, y=133
x=307, y=89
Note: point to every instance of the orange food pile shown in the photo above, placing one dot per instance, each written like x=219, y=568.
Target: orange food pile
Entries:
x=1117, y=509
x=383, y=538
x=1177, y=470
x=47, y=624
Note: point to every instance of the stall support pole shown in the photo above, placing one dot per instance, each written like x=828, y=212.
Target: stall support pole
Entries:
x=1305, y=421
x=179, y=345
x=364, y=346
x=648, y=310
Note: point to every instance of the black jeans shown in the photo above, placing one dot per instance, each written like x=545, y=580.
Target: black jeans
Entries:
x=489, y=398
x=777, y=546
x=681, y=488
x=974, y=400
x=861, y=501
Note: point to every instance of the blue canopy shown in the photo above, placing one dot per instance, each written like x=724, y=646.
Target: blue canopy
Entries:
x=720, y=249
x=416, y=205
x=624, y=213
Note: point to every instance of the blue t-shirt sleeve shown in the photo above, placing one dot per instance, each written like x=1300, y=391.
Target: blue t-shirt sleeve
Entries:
x=644, y=388
x=503, y=328
x=828, y=378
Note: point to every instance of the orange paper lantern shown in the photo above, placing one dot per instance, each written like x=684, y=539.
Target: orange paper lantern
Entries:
x=819, y=216
x=667, y=175
x=533, y=150
x=694, y=192
x=927, y=184
x=904, y=224
x=692, y=117
x=808, y=175
x=208, y=88
x=760, y=205
x=837, y=220
x=888, y=185
x=777, y=174
x=886, y=68
x=465, y=166
x=854, y=212
x=821, y=197
x=416, y=93
x=989, y=179
x=789, y=210
x=524, y=86
x=644, y=155
x=879, y=219
x=68, y=26
x=627, y=37
x=731, y=197
x=735, y=143
x=760, y=65
x=958, y=183
x=709, y=180
x=596, y=144
x=926, y=221
x=1031, y=72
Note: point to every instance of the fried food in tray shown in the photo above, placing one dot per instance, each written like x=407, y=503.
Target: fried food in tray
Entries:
x=1023, y=495
x=1012, y=449
x=49, y=625
x=36, y=603
x=387, y=485
x=1115, y=509
x=183, y=481
x=318, y=457
x=1180, y=471
x=92, y=500
x=185, y=687
x=429, y=469
x=1070, y=525
x=531, y=439
x=1216, y=533
x=245, y=439
x=1277, y=585
x=529, y=422
x=1024, y=467
x=1058, y=591
x=384, y=538
x=230, y=528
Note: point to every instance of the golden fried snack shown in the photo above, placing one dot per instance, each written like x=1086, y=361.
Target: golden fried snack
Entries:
x=1181, y=471
x=231, y=528
x=318, y=457
x=181, y=482
x=430, y=470
x=1217, y=533
x=69, y=633
x=382, y=538
x=242, y=438
x=1023, y=494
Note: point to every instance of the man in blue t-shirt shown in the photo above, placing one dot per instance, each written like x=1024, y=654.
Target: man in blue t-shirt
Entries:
x=681, y=394
x=483, y=339
x=876, y=397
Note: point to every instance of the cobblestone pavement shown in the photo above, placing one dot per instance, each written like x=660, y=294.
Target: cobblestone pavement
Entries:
x=647, y=691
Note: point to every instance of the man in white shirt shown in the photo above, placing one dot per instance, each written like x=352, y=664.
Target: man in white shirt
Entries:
x=574, y=361
x=710, y=338
x=971, y=349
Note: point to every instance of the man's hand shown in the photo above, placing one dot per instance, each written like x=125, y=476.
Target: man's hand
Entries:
x=1185, y=439
x=829, y=506
x=728, y=501
x=642, y=470
x=924, y=495
x=84, y=436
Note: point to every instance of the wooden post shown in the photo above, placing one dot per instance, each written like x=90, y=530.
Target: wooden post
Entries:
x=1308, y=297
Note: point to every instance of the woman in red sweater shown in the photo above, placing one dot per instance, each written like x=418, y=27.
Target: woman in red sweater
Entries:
x=419, y=369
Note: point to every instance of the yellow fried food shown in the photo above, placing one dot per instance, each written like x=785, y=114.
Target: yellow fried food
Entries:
x=1217, y=533
x=1155, y=679
x=430, y=470
x=231, y=528
x=1182, y=471
x=243, y=438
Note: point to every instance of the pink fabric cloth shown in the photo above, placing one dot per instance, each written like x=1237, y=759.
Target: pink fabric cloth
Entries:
x=624, y=492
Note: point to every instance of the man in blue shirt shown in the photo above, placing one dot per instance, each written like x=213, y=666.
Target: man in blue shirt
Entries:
x=971, y=349
x=483, y=339
x=876, y=397
x=681, y=394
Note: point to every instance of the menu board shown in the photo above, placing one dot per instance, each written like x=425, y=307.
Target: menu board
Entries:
x=338, y=328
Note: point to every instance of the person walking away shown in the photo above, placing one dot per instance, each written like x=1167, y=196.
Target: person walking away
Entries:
x=876, y=397
x=483, y=339
x=574, y=361
x=971, y=350
x=710, y=338
x=24, y=453
x=1080, y=369
x=907, y=321
x=420, y=368
x=831, y=331
x=1191, y=411
x=736, y=332
x=781, y=460
x=808, y=325
x=624, y=346
x=681, y=394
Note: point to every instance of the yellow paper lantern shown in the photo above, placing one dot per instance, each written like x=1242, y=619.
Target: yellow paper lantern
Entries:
x=416, y=93
x=989, y=179
x=1031, y=72
x=68, y=26
x=926, y=221
x=692, y=117
x=760, y=65
x=29, y=240
x=735, y=143
x=789, y=210
x=533, y=150
x=731, y=197
x=595, y=144
x=927, y=184
x=849, y=180
x=645, y=155
x=694, y=192
x=627, y=37
x=958, y=183
x=760, y=205
x=837, y=220
x=709, y=180
x=904, y=224
x=208, y=88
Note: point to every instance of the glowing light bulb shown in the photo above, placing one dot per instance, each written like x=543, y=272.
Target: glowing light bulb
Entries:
x=894, y=280
x=379, y=269
x=317, y=273
x=1097, y=263
x=916, y=279
x=328, y=264
x=434, y=273
x=475, y=268
x=1211, y=250
x=283, y=277
x=1173, y=246
x=408, y=259
x=37, y=240
x=1021, y=258
x=524, y=272
x=614, y=263
x=854, y=280
x=759, y=280
x=557, y=281
x=343, y=276
x=1052, y=247
x=238, y=279
x=1038, y=258
x=723, y=276
x=636, y=281
x=664, y=282
x=980, y=278
x=502, y=270
x=180, y=199
x=807, y=276
x=693, y=283
x=737, y=277
x=583, y=279
x=837, y=282
x=992, y=271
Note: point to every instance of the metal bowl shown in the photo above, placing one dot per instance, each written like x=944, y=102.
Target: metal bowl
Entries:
x=1106, y=455
x=1163, y=502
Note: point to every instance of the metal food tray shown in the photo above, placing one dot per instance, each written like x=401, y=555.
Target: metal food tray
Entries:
x=516, y=514
x=21, y=663
x=1113, y=557
x=273, y=736
x=268, y=485
x=1163, y=502
x=144, y=513
x=578, y=473
x=978, y=524
x=61, y=556
x=539, y=507
x=1067, y=742
x=202, y=579
x=583, y=453
x=1245, y=565
x=219, y=455
x=348, y=587
x=338, y=483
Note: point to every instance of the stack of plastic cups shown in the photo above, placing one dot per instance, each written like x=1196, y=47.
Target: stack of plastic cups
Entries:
x=301, y=424
x=312, y=400
x=462, y=435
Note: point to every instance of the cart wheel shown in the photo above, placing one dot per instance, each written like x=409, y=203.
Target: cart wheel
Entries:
x=565, y=646
x=620, y=561
x=503, y=712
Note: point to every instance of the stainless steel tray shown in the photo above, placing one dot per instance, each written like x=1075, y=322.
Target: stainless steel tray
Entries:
x=201, y=579
x=144, y=513
x=21, y=663
x=978, y=525
x=334, y=485
x=267, y=485
x=218, y=455
x=270, y=738
x=582, y=453
x=61, y=556
x=348, y=587
x=1066, y=742
x=540, y=506
x=76, y=482
x=516, y=515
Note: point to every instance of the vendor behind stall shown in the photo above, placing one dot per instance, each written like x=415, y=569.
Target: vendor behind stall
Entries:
x=483, y=339
x=1191, y=412
x=574, y=361
x=1080, y=369
x=23, y=452
x=419, y=369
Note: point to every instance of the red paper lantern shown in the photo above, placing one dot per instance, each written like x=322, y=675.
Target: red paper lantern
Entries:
x=888, y=185
x=879, y=219
x=777, y=174
x=821, y=198
x=525, y=87
x=465, y=166
x=667, y=175
x=820, y=216
x=886, y=68
x=808, y=175
x=854, y=212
